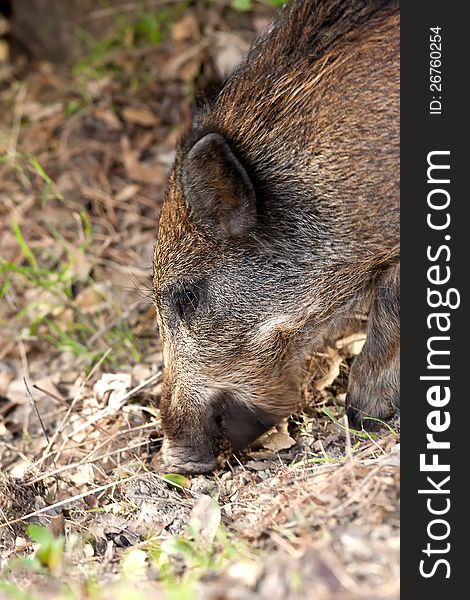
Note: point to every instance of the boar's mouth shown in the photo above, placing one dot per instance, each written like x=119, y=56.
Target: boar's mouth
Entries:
x=232, y=426
x=242, y=423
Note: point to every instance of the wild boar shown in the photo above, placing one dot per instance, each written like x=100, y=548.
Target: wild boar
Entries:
x=280, y=225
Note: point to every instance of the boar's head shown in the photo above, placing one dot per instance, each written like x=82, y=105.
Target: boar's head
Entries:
x=227, y=295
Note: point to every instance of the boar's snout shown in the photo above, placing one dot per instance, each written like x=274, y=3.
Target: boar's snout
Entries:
x=187, y=460
x=197, y=433
x=192, y=432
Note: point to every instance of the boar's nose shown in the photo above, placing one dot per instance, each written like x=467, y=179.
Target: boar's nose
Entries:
x=187, y=460
x=191, y=446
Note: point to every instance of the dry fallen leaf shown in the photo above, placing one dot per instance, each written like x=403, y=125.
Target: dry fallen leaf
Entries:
x=111, y=387
x=37, y=112
x=184, y=65
x=352, y=344
x=230, y=50
x=127, y=192
x=90, y=300
x=277, y=438
x=4, y=51
x=332, y=361
x=57, y=525
x=278, y=441
x=138, y=171
x=110, y=118
x=139, y=116
x=187, y=28
x=91, y=501
x=82, y=475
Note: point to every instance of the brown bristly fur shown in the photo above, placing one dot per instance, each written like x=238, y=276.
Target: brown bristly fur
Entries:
x=280, y=224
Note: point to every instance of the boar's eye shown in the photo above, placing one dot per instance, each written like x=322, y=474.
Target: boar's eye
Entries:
x=186, y=301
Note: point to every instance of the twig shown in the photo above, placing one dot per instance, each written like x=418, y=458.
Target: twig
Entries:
x=107, y=439
x=348, y=437
x=16, y=127
x=34, y=405
x=108, y=411
x=51, y=395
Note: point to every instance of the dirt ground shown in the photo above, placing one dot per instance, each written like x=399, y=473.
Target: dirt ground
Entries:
x=311, y=512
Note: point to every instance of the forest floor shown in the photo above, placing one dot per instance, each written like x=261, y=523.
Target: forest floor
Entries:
x=311, y=512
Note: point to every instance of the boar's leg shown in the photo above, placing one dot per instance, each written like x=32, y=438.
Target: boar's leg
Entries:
x=374, y=379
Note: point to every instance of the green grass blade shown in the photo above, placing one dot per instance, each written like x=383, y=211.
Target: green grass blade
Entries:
x=361, y=434
x=23, y=245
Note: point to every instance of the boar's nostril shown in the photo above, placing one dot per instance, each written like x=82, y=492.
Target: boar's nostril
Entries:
x=187, y=459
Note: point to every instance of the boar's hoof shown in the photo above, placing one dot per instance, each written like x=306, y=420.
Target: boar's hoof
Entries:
x=186, y=461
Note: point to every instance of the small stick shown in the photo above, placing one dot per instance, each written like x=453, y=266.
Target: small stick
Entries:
x=34, y=405
x=125, y=7
x=348, y=437
x=51, y=395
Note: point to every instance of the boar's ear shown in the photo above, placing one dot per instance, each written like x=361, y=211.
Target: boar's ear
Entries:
x=218, y=192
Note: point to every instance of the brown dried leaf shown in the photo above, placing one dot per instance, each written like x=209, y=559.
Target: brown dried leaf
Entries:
x=37, y=112
x=138, y=171
x=186, y=28
x=139, y=116
x=110, y=118
x=332, y=361
x=276, y=441
x=230, y=50
x=127, y=192
x=4, y=51
x=82, y=475
x=96, y=87
x=57, y=525
x=90, y=300
x=91, y=501
x=176, y=67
